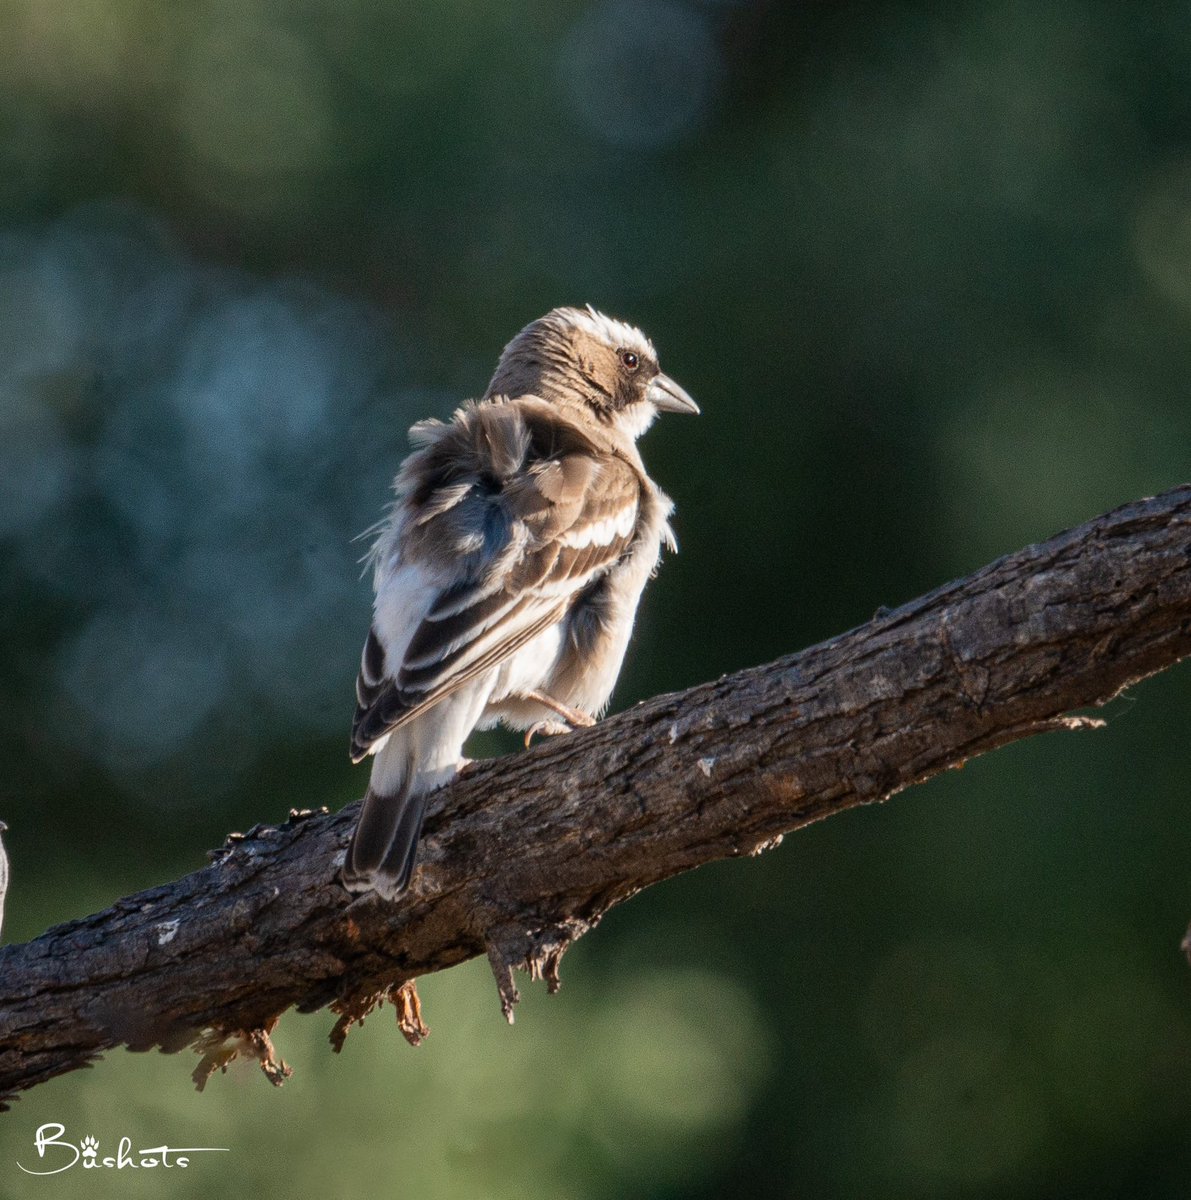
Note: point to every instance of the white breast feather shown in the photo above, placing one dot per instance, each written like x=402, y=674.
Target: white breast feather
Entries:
x=404, y=595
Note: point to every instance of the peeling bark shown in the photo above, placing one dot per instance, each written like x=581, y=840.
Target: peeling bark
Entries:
x=525, y=854
x=220, y=1050
x=409, y=1013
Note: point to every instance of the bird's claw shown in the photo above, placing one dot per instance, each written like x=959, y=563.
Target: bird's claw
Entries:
x=545, y=729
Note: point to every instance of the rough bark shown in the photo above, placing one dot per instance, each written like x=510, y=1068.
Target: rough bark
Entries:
x=524, y=854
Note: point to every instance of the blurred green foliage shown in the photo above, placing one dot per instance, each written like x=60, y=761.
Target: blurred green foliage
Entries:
x=926, y=267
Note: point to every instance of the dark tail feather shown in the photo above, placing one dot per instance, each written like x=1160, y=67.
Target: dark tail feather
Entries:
x=384, y=846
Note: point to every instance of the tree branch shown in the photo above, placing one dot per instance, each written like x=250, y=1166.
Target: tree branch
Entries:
x=524, y=854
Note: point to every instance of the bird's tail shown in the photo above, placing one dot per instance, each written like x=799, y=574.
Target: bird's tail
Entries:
x=384, y=846
x=411, y=762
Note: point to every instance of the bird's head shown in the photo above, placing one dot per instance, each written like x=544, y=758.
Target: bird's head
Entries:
x=575, y=356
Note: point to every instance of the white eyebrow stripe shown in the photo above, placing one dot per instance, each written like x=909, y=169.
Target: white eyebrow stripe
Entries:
x=612, y=332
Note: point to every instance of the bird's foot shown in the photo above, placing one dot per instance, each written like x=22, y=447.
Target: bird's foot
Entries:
x=576, y=718
x=545, y=729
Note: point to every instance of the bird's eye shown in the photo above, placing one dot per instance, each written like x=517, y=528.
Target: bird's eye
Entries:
x=630, y=360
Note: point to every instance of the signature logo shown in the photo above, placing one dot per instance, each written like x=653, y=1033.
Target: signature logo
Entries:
x=53, y=1148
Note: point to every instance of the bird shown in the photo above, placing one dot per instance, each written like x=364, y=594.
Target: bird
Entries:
x=508, y=569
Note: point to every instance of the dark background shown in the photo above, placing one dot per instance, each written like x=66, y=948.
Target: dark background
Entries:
x=927, y=268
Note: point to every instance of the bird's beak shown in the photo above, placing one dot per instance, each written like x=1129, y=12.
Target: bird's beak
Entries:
x=666, y=396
